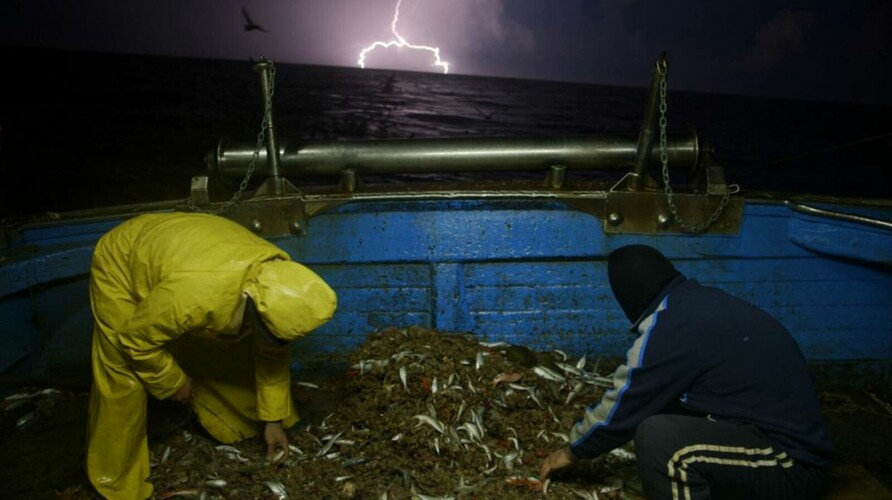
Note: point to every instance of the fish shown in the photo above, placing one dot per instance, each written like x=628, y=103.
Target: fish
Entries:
x=573, y=393
x=549, y=374
x=492, y=344
x=32, y=395
x=24, y=419
x=507, y=377
x=436, y=424
x=329, y=444
x=472, y=431
x=509, y=459
x=277, y=489
x=188, y=492
x=403, y=377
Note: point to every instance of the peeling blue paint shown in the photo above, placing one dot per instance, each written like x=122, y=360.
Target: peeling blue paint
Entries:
x=524, y=271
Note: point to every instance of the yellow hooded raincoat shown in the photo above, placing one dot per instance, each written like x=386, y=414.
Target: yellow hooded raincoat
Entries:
x=158, y=277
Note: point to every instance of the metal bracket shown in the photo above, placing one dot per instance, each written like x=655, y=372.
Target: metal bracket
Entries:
x=647, y=211
x=271, y=217
x=198, y=191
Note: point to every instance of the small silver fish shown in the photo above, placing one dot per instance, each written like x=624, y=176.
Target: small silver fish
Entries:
x=548, y=374
x=492, y=344
x=277, y=489
x=573, y=393
x=329, y=444
x=571, y=369
x=404, y=377
x=32, y=395
x=215, y=483
x=509, y=459
x=24, y=419
x=16, y=404
x=436, y=424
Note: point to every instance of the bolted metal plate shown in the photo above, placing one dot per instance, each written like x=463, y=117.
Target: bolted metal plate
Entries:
x=271, y=217
x=631, y=212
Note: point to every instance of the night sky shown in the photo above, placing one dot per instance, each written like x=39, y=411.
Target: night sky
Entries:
x=818, y=50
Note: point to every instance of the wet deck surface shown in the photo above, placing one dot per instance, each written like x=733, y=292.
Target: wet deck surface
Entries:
x=43, y=459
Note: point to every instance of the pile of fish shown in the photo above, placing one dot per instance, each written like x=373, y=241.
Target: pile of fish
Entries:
x=19, y=410
x=423, y=415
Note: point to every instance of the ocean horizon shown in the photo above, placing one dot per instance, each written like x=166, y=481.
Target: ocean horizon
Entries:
x=81, y=130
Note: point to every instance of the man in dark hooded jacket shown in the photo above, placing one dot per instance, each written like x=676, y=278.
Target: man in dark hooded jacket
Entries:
x=715, y=392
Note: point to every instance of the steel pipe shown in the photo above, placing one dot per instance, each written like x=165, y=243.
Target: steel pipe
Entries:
x=478, y=154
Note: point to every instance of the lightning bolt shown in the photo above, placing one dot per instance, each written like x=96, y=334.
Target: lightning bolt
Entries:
x=401, y=42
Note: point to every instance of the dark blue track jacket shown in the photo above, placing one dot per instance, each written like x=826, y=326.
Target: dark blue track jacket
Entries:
x=717, y=355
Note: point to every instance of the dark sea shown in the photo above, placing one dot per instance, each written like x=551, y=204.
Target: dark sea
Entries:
x=83, y=130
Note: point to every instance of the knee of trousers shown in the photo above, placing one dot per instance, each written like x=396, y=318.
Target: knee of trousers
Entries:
x=654, y=441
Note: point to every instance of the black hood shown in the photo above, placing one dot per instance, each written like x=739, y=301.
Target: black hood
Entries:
x=638, y=273
x=256, y=323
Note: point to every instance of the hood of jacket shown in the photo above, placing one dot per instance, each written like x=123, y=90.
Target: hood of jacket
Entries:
x=638, y=274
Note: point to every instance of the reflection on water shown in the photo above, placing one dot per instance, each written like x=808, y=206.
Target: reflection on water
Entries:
x=111, y=129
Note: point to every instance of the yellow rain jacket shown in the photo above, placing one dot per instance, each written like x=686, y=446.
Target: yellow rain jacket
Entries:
x=161, y=285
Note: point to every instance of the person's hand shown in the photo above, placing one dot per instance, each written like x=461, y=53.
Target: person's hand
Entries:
x=276, y=442
x=184, y=394
x=556, y=461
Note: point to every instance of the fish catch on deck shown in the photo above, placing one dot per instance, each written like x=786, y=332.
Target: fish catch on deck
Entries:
x=395, y=436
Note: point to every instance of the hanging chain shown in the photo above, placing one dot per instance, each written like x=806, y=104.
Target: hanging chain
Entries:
x=261, y=137
x=664, y=159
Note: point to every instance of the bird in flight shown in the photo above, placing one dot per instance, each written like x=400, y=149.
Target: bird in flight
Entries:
x=486, y=116
x=250, y=25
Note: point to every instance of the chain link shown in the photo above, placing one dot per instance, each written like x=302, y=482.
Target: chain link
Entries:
x=664, y=159
x=261, y=138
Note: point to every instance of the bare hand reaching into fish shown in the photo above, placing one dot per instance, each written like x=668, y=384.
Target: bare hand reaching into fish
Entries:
x=276, y=442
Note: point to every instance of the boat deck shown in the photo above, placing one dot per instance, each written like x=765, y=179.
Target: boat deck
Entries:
x=44, y=460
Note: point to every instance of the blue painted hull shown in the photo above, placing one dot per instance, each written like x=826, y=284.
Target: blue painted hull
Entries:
x=528, y=272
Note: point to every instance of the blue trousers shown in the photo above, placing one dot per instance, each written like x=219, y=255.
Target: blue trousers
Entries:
x=692, y=458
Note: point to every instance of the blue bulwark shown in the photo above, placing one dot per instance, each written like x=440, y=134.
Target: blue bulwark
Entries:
x=527, y=272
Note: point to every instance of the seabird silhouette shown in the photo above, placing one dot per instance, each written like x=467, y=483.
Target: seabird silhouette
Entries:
x=486, y=116
x=250, y=25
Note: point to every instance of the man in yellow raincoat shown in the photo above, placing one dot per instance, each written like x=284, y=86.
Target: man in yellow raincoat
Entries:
x=163, y=284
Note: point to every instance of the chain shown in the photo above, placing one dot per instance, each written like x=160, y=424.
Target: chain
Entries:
x=664, y=159
x=261, y=137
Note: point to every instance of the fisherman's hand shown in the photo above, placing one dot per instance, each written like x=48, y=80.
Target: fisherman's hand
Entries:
x=184, y=394
x=556, y=461
x=276, y=442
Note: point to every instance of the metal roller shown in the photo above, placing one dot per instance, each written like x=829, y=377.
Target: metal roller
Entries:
x=323, y=158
